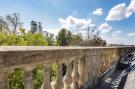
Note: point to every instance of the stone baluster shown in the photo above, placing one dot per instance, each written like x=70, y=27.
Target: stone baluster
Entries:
x=106, y=62
x=86, y=69
x=4, y=79
x=75, y=75
x=81, y=70
x=58, y=83
x=28, y=80
x=103, y=61
x=117, y=55
x=99, y=62
x=112, y=57
x=46, y=82
x=102, y=64
x=67, y=78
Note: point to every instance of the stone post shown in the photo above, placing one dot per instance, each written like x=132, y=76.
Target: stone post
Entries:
x=81, y=70
x=4, y=79
x=75, y=76
x=46, y=82
x=58, y=83
x=67, y=78
x=28, y=80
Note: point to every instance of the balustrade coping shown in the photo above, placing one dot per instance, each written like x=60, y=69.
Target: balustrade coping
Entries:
x=25, y=48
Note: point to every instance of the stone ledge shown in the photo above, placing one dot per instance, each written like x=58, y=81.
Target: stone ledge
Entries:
x=25, y=48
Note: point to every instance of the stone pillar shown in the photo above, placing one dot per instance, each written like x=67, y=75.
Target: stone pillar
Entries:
x=81, y=70
x=58, y=83
x=98, y=57
x=46, y=82
x=4, y=79
x=28, y=80
x=87, y=70
x=67, y=78
x=102, y=64
x=109, y=60
x=106, y=61
x=104, y=58
x=75, y=76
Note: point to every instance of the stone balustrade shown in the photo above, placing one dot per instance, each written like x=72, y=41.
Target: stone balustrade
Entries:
x=84, y=64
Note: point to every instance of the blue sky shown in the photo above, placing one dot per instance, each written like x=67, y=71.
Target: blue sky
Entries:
x=114, y=18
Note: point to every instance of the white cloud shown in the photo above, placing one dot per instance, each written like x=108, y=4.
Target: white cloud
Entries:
x=131, y=8
x=52, y=30
x=131, y=34
x=116, y=34
x=98, y=12
x=71, y=21
x=104, y=28
x=117, y=12
x=117, y=37
x=121, y=11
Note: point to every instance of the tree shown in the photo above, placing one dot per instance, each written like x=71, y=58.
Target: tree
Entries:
x=76, y=39
x=22, y=31
x=49, y=37
x=27, y=39
x=13, y=22
x=3, y=26
x=34, y=27
x=90, y=31
x=93, y=42
x=64, y=37
x=40, y=28
x=93, y=39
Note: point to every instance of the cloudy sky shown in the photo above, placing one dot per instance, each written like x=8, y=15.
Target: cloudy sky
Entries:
x=115, y=19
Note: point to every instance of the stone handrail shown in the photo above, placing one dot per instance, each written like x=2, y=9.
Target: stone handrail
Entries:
x=89, y=63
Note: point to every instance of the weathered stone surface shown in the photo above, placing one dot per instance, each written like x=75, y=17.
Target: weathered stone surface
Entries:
x=95, y=60
x=16, y=56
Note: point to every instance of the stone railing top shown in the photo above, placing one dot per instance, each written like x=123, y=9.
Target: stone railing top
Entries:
x=26, y=48
x=20, y=56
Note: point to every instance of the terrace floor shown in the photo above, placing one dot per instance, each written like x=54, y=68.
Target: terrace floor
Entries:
x=119, y=79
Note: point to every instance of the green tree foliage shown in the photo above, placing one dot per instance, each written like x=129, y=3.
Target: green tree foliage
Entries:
x=28, y=39
x=76, y=39
x=38, y=75
x=53, y=72
x=16, y=79
x=64, y=37
x=50, y=38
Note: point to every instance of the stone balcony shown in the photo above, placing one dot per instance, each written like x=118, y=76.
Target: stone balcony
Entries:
x=89, y=64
